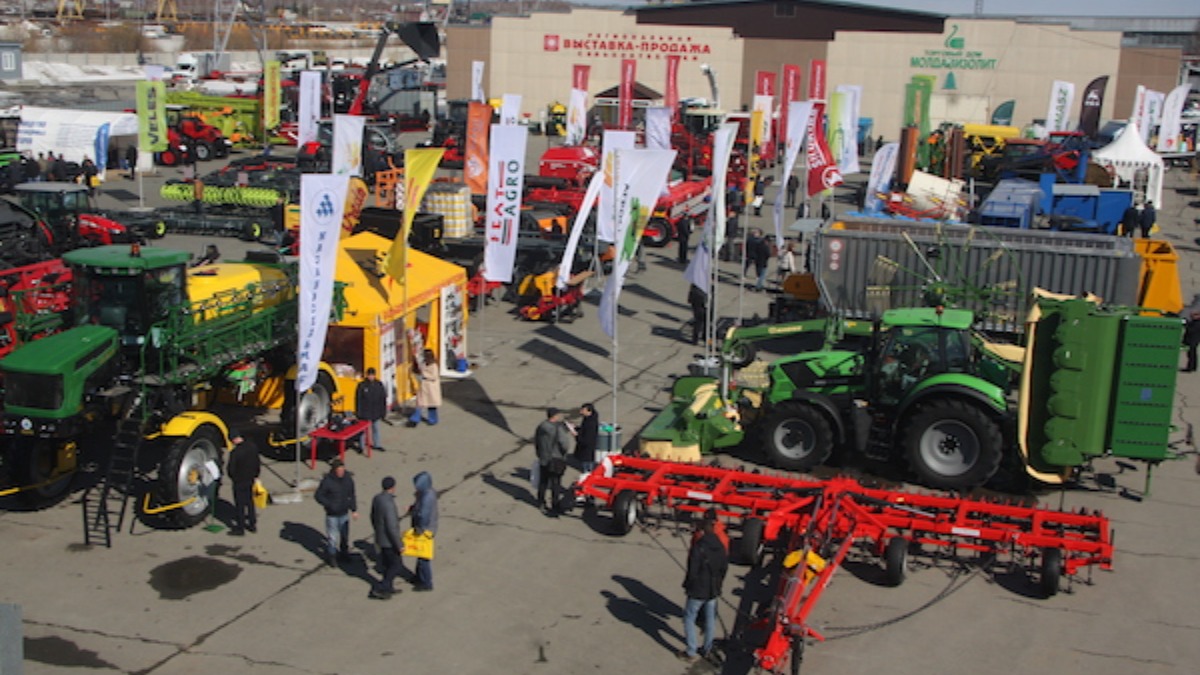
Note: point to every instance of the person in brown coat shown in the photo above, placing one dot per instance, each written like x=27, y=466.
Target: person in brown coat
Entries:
x=429, y=394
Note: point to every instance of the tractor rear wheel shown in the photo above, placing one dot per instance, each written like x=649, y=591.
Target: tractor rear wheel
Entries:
x=741, y=354
x=203, y=150
x=46, y=464
x=658, y=233
x=798, y=437
x=952, y=444
x=183, y=476
x=252, y=231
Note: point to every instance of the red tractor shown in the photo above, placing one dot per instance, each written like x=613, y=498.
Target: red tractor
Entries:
x=191, y=139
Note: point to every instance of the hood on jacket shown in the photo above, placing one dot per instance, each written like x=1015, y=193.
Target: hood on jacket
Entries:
x=423, y=481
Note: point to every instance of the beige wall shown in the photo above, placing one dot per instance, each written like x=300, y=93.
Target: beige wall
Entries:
x=465, y=44
x=520, y=61
x=1155, y=68
x=771, y=55
x=1012, y=61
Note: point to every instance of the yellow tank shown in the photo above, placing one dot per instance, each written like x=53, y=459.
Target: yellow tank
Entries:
x=224, y=288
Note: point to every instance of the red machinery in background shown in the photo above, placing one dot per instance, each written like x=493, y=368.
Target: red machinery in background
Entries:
x=813, y=524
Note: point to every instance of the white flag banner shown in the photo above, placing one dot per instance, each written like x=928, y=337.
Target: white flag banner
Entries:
x=1172, y=113
x=310, y=107
x=848, y=154
x=641, y=175
x=1058, y=115
x=613, y=140
x=699, y=268
x=510, y=109
x=322, y=198
x=658, y=128
x=883, y=167
x=477, y=81
x=723, y=139
x=1154, y=108
x=1138, y=116
x=347, y=145
x=797, y=125
x=585, y=209
x=506, y=180
x=763, y=102
x=576, y=117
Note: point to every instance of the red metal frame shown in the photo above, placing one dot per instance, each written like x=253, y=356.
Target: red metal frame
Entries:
x=830, y=517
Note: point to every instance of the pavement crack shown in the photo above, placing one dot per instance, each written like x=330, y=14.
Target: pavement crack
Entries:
x=255, y=662
x=100, y=633
x=1126, y=657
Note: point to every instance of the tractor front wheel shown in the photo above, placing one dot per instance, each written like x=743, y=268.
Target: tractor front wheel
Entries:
x=184, y=477
x=798, y=437
x=203, y=150
x=658, y=233
x=314, y=408
x=952, y=444
x=47, y=467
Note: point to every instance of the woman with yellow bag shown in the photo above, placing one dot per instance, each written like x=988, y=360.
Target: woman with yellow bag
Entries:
x=419, y=540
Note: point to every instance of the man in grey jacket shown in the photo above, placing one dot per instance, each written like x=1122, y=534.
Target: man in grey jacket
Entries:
x=551, y=440
x=386, y=521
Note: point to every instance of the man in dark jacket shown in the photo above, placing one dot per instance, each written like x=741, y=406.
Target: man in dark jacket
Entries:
x=243, y=467
x=370, y=403
x=758, y=254
x=551, y=441
x=587, y=438
x=425, y=523
x=1147, y=219
x=336, y=494
x=706, y=567
x=386, y=521
x=684, y=232
x=698, y=300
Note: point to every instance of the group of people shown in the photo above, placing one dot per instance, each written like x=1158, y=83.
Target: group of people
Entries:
x=552, y=442
x=1135, y=219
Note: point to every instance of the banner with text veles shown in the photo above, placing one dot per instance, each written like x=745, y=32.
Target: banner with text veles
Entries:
x=152, y=115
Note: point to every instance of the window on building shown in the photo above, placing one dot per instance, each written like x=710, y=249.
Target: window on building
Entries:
x=8, y=61
x=785, y=9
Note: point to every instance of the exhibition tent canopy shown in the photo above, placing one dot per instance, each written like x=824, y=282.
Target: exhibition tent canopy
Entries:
x=1127, y=155
x=75, y=134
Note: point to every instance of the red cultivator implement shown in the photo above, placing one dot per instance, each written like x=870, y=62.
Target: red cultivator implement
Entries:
x=814, y=524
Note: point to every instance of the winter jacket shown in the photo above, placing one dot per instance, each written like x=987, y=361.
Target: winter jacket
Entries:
x=550, y=440
x=589, y=436
x=386, y=521
x=243, y=465
x=425, y=508
x=337, y=494
x=430, y=393
x=370, y=400
x=706, y=567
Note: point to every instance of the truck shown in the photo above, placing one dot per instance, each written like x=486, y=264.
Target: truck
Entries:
x=148, y=342
x=921, y=386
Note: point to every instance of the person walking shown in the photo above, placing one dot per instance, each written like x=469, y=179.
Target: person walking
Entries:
x=758, y=253
x=385, y=519
x=243, y=468
x=707, y=564
x=336, y=494
x=698, y=299
x=793, y=184
x=1191, y=338
x=587, y=438
x=370, y=403
x=131, y=158
x=1129, y=221
x=683, y=233
x=429, y=394
x=785, y=262
x=550, y=441
x=1147, y=220
x=424, y=512
x=760, y=195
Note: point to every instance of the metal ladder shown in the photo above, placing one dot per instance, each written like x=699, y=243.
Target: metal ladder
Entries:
x=106, y=514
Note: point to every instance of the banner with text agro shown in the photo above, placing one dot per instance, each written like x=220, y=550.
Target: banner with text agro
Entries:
x=506, y=180
x=322, y=197
x=152, y=115
x=419, y=166
x=641, y=176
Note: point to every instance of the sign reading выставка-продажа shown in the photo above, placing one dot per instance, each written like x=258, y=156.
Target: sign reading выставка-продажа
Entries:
x=628, y=45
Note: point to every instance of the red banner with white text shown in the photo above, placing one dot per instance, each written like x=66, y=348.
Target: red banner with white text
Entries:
x=764, y=83
x=625, y=107
x=790, y=93
x=672, y=99
x=816, y=80
x=579, y=77
x=823, y=173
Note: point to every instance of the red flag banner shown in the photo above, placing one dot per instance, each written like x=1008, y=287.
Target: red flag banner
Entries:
x=790, y=93
x=823, y=173
x=475, y=164
x=672, y=100
x=625, y=108
x=764, y=83
x=816, y=79
x=579, y=77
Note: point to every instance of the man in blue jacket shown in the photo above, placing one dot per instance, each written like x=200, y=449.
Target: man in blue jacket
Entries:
x=424, y=520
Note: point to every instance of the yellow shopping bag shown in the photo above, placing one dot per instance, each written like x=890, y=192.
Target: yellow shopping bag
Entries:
x=418, y=545
x=261, y=496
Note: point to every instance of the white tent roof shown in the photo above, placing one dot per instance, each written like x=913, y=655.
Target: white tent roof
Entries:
x=73, y=133
x=1127, y=154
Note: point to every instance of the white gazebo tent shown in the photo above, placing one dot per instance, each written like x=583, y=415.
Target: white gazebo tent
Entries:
x=1127, y=155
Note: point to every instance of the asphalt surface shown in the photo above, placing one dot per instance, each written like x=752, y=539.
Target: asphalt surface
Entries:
x=519, y=592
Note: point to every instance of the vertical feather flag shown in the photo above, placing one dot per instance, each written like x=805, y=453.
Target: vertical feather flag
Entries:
x=419, y=166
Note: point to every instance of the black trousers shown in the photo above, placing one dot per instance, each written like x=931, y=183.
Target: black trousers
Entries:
x=391, y=564
x=244, y=517
x=548, y=479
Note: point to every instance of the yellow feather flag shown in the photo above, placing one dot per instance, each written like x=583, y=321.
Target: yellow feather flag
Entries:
x=419, y=166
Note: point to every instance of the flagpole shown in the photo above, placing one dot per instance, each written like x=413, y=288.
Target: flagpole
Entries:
x=618, y=245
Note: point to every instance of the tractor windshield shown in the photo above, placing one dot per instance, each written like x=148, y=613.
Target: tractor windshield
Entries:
x=33, y=390
x=131, y=302
x=914, y=353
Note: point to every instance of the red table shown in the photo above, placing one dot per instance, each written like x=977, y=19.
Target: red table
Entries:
x=352, y=430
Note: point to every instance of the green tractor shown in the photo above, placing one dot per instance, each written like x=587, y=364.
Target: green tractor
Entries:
x=921, y=385
x=152, y=341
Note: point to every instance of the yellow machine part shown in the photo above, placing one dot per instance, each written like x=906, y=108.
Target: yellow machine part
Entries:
x=206, y=282
x=1158, y=285
x=185, y=424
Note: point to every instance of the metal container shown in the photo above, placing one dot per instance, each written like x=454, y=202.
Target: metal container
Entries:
x=868, y=266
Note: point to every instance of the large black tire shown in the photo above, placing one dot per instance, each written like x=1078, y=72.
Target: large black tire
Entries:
x=252, y=231
x=316, y=405
x=741, y=354
x=159, y=230
x=203, y=150
x=751, y=545
x=662, y=235
x=895, y=561
x=221, y=149
x=36, y=463
x=798, y=437
x=1052, y=566
x=951, y=444
x=181, y=475
x=625, y=512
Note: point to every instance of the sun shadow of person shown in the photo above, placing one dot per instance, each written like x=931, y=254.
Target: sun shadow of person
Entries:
x=518, y=491
x=647, y=609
